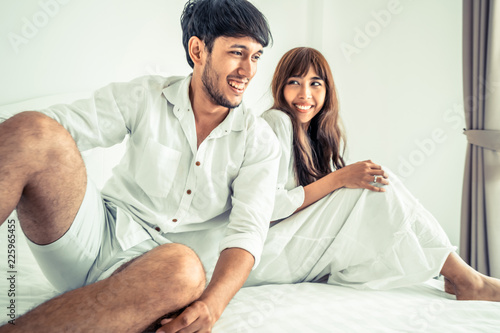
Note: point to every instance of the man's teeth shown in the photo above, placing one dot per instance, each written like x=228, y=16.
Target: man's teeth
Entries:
x=303, y=107
x=238, y=86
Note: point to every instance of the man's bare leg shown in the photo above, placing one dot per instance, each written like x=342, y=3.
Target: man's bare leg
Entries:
x=468, y=284
x=42, y=174
x=161, y=281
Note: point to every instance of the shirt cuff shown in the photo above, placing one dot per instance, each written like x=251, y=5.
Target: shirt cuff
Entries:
x=288, y=204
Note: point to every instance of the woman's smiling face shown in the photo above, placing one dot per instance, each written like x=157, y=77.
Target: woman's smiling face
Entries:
x=305, y=95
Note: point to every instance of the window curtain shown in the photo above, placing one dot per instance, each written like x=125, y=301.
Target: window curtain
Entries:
x=480, y=221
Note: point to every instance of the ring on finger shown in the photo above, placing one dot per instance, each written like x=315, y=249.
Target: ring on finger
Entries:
x=375, y=179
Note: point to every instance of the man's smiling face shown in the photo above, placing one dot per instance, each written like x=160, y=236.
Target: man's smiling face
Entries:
x=229, y=68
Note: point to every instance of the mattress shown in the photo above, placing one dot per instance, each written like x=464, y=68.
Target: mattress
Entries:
x=303, y=307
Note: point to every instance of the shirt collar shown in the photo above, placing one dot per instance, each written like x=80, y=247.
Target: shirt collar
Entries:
x=177, y=93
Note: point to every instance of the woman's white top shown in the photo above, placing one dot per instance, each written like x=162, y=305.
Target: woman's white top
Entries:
x=289, y=195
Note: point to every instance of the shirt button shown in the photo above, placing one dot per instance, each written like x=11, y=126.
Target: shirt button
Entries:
x=188, y=191
x=158, y=229
x=174, y=220
x=198, y=163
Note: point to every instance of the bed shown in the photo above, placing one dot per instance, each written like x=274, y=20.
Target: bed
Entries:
x=304, y=307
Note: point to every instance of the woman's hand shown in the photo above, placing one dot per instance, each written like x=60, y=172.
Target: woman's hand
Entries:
x=362, y=175
x=357, y=175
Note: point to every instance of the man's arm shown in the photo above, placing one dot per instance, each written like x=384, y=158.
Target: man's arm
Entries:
x=105, y=118
x=252, y=200
x=232, y=269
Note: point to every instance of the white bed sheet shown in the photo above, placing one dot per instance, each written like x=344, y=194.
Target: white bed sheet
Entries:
x=305, y=307
x=314, y=307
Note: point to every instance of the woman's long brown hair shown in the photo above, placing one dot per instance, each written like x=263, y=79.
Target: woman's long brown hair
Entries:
x=317, y=149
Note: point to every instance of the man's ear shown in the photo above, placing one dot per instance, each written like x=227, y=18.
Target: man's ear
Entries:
x=196, y=48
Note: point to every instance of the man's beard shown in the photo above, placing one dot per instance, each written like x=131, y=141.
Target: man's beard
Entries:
x=209, y=78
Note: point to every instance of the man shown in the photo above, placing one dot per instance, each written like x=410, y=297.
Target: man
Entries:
x=196, y=162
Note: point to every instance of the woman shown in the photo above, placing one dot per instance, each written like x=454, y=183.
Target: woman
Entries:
x=334, y=220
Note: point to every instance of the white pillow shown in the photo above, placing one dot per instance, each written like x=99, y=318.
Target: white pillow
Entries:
x=43, y=102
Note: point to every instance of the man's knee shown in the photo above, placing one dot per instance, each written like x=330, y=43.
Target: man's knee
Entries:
x=170, y=263
x=38, y=138
x=36, y=127
x=181, y=262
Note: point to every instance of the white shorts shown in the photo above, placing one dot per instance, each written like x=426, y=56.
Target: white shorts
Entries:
x=88, y=251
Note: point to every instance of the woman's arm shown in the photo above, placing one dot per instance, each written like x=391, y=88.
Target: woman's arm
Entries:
x=357, y=175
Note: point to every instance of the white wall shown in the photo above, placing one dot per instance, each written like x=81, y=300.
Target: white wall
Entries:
x=400, y=93
x=400, y=87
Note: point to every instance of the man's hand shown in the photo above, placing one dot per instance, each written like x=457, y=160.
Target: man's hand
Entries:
x=230, y=274
x=195, y=318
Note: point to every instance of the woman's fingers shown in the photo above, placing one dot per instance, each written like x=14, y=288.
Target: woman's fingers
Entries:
x=379, y=177
x=379, y=173
x=364, y=174
x=374, y=178
x=373, y=165
x=382, y=181
x=379, y=180
x=375, y=188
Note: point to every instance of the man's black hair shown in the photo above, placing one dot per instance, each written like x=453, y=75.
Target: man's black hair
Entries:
x=209, y=19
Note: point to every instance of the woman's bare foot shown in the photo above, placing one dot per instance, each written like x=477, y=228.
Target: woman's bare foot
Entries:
x=449, y=287
x=467, y=283
x=480, y=288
